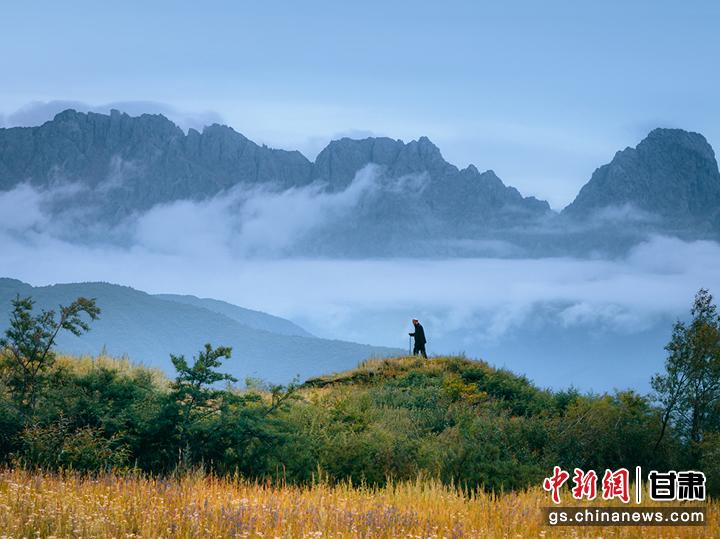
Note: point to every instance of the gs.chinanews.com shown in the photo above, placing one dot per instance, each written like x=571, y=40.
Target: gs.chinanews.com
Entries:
x=624, y=516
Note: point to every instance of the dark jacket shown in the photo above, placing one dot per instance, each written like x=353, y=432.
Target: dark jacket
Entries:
x=419, y=335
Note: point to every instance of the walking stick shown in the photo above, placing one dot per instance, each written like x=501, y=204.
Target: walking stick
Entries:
x=410, y=345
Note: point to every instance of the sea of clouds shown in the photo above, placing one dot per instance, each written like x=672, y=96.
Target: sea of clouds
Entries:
x=598, y=323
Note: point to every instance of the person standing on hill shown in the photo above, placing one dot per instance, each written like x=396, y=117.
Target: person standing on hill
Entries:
x=420, y=340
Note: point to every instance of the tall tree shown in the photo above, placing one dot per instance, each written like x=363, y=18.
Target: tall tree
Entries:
x=29, y=341
x=689, y=390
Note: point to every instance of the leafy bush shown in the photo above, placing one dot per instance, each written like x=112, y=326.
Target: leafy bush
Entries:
x=55, y=447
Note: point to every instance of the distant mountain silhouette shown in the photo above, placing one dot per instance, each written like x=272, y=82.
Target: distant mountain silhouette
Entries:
x=247, y=317
x=158, y=162
x=418, y=205
x=149, y=328
x=141, y=161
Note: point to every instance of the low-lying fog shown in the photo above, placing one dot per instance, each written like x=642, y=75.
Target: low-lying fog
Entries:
x=595, y=324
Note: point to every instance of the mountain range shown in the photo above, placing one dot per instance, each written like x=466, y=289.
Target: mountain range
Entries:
x=111, y=167
x=148, y=328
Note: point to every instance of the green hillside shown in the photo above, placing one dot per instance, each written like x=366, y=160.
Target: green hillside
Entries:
x=450, y=417
x=149, y=328
x=465, y=421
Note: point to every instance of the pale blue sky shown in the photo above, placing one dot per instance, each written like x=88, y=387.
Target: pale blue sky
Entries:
x=541, y=92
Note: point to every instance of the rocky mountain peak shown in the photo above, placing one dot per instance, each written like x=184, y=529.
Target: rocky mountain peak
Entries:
x=673, y=140
x=670, y=174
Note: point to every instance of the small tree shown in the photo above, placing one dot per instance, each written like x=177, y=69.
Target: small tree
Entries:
x=193, y=389
x=689, y=390
x=29, y=341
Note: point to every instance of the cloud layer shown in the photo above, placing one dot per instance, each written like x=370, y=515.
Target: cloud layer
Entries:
x=226, y=248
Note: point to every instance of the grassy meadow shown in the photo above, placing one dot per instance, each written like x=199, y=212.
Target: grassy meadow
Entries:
x=198, y=505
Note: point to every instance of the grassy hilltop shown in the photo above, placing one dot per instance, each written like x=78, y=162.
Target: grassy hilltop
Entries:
x=468, y=423
x=451, y=418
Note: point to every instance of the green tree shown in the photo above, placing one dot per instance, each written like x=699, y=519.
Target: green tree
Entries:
x=29, y=342
x=689, y=390
x=194, y=390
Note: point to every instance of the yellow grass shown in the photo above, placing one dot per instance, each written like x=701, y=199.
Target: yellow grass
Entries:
x=50, y=505
x=122, y=365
